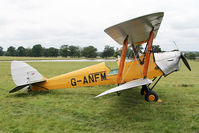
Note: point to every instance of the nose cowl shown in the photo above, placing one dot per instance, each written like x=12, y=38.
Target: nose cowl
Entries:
x=168, y=62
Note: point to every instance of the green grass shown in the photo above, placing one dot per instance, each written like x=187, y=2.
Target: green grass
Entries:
x=76, y=109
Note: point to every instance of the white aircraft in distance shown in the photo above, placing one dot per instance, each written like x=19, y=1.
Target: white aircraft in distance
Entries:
x=141, y=71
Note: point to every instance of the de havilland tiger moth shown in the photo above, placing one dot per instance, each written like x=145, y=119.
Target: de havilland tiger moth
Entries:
x=141, y=71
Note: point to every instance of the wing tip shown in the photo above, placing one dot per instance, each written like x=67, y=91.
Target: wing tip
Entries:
x=98, y=95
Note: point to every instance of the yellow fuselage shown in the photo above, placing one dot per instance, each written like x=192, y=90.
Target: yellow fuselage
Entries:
x=98, y=74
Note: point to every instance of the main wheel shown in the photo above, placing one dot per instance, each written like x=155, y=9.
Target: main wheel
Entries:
x=151, y=96
x=144, y=90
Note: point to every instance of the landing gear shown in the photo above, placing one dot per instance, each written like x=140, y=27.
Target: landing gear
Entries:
x=144, y=90
x=150, y=96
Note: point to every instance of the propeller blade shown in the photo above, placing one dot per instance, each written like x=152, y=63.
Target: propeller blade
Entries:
x=185, y=62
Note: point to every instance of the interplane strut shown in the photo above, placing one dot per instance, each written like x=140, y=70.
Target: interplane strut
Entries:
x=122, y=60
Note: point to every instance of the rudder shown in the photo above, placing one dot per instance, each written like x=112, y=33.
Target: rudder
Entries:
x=23, y=74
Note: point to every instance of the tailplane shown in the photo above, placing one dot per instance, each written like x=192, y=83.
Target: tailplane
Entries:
x=24, y=75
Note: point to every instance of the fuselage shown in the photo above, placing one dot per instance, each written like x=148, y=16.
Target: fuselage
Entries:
x=100, y=74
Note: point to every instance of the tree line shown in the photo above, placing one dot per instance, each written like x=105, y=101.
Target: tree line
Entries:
x=69, y=51
x=39, y=51
x=192, y=55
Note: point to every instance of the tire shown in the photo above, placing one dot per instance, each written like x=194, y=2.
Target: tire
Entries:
x=144, y=90
x=151, y=96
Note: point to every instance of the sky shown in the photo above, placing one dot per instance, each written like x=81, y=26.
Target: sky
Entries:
x=53, y=23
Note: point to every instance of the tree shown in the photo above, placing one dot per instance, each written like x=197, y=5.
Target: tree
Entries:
x=108, y=51
x=117, y=52
x=139, y=48
x=156, y=48
x=64, y=50
x=11, y=51
x=89, y=52
x=21, y=51
x=1, y=51
x=37, y=50
x=129, y=52
x=45, y=52
x=99, y=54
x=28, y=52
x=52, y=52
x=74, y=51
x=190, y=55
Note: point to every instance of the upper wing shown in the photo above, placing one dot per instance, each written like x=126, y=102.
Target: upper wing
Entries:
x=137, y=29
x=128, y=85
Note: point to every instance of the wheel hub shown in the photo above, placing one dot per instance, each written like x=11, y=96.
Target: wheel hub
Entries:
x=151, y=97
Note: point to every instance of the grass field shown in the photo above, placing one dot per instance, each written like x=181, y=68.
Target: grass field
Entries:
x=76, y=110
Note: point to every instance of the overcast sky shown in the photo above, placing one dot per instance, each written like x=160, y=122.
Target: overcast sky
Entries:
x=53, y=23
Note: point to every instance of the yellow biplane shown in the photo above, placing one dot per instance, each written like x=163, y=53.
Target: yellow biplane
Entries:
x=141, y=71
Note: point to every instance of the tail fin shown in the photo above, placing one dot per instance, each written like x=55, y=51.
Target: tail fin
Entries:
x=23, y=75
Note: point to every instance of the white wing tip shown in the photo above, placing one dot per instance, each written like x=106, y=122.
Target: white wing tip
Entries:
x=98, y=95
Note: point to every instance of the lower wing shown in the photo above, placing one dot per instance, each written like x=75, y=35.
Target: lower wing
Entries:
x=128, y=85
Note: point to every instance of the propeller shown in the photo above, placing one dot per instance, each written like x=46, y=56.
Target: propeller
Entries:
x=185, y=61
x=183, y=57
